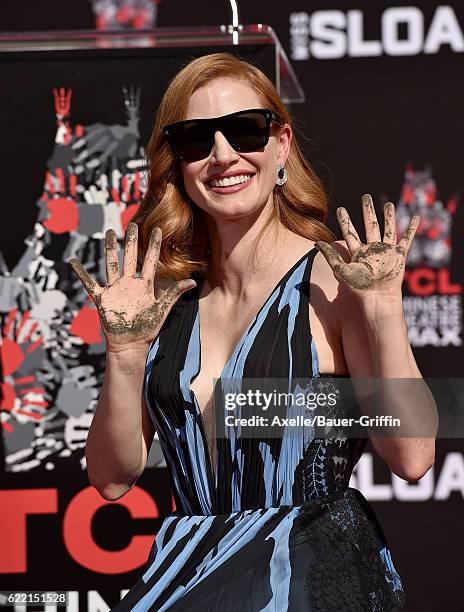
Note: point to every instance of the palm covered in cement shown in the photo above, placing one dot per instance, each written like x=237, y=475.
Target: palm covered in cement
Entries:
x=378, y=266
x=128, y=308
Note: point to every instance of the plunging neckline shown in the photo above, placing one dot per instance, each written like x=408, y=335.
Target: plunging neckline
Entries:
x=197, y=291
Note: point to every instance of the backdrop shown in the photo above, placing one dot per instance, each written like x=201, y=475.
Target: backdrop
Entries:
x=382, y=115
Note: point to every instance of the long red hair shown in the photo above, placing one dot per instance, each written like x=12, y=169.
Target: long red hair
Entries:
x=300, y=204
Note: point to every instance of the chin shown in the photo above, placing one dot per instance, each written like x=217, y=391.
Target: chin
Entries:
x=232, y=209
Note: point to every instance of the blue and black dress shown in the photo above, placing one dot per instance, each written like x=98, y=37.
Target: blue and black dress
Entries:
x=270, y=524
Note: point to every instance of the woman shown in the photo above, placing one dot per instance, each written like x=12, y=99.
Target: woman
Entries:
x=260, y=523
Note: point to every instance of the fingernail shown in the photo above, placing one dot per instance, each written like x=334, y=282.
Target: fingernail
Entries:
x=366, y=199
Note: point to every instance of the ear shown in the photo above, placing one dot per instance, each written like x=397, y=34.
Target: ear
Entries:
x=284, y=138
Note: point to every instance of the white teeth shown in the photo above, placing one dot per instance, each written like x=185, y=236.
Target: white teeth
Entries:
x=233, y=180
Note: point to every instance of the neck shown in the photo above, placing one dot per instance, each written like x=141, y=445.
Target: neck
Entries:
x=237, y=267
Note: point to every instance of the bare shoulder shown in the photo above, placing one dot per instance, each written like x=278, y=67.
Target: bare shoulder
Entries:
x=326, y=312
x=347, y=316
x=326, y=287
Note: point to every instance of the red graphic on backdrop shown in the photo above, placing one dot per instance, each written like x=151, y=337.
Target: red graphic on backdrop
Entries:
x=21, y=352
x=130, y=14
x=59, y=200
x=53, y=351
x=433, y=299
x=86, y=325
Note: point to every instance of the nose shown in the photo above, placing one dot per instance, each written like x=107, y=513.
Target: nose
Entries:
x=222, y=152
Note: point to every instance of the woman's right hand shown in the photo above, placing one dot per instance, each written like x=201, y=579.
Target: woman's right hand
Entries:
x=129, y=312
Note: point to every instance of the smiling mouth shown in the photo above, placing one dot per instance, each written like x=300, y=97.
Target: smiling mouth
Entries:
x=231, y=181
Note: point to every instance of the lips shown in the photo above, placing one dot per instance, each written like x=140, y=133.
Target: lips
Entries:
x=231, y=188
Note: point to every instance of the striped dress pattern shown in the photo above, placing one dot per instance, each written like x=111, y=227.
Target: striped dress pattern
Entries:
x=273, y=525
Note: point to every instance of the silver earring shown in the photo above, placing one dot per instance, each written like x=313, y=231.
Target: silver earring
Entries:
x=281, y=174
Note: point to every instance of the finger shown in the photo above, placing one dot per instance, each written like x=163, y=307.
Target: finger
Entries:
x=3, y=267
x=152, y=255
x=349, y=233
x=408, y=236
x=130, y=249
x=107, y=152
x=79, y=143
x=111, y=254
x=90, y=285
x=173, y=292
x=333, y=257
x=370, y=219
x=389, y=234
x=10, y=322
x=22, y=321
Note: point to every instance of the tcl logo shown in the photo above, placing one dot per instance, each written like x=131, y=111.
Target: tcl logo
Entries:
x=17, y=505
x=425, y=281
x=334, y=34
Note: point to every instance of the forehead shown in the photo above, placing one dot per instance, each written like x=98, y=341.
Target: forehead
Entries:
x=222, y=96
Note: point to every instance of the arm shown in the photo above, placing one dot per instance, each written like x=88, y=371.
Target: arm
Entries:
x=132, y=310
x=375, y=338
x=378, y=347
x=121, y=432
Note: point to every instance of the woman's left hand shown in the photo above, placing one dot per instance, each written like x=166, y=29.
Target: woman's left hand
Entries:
x=376, y=268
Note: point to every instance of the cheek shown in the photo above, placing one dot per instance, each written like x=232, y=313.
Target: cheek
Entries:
x=267, y=165
x=189, y=176
x=269, y=172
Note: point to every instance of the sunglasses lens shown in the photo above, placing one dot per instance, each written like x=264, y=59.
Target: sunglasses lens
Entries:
x=191, y=141
x=247, y=132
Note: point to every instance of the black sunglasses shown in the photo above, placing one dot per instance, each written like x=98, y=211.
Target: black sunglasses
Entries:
x=246, y=131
